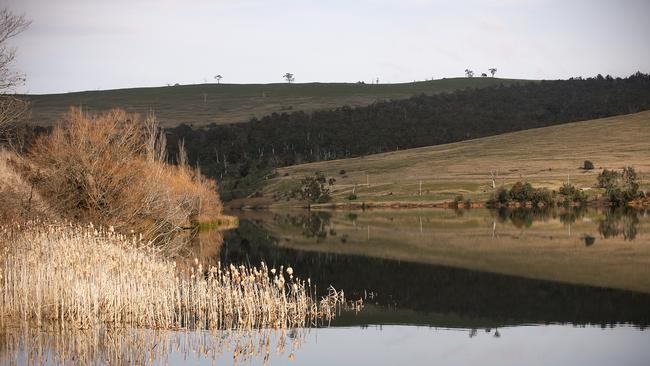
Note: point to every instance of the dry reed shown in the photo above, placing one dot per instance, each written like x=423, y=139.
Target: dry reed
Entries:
x=84, y=276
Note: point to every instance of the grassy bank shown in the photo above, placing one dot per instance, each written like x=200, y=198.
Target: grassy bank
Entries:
x=202, y=104
x=546, y=157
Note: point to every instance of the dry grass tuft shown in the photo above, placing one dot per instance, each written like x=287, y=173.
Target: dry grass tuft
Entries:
x=82, y=277
x=110, y=169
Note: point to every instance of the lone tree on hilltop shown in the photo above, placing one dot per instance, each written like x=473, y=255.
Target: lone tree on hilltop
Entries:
x=289, y=77
x=492, y=70
x=218, y=78
x=11, y=108
x=469, y=73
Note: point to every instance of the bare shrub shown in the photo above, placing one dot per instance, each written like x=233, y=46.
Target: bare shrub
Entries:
x=109, y=169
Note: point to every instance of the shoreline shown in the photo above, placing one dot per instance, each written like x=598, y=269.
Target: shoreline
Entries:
x=639, y=204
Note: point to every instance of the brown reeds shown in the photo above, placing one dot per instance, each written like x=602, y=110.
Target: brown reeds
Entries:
x=111, y=169
x=84, y=276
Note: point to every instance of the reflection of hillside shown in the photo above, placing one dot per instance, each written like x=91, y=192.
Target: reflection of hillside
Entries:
x=202, y=246
x=441, y=295
x=558, y=245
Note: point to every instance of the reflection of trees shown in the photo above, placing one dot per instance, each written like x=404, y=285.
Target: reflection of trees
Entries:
x=616, y=222
x=622, y=221
x=443, y=290
x=570, y=215
x=522, y=216
x=201, y=244
x=313, y=225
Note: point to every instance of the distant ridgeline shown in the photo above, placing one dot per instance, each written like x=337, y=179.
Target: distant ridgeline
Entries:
x=240, y=155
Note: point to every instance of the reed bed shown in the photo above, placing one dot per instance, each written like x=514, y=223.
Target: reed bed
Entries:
x=84, y=276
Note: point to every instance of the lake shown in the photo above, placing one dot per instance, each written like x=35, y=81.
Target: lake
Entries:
x=513, y=287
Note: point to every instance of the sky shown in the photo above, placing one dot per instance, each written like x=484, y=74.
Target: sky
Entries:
x=75, y=45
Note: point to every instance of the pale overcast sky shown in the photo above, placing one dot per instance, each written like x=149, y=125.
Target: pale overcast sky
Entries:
x=102, y=44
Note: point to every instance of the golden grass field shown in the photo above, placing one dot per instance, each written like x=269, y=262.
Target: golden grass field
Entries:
x=478, y=240
x=546, y=157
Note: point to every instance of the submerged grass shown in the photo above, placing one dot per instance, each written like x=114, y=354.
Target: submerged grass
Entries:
x=84, y=277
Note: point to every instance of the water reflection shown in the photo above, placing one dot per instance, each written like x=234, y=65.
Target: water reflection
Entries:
x=610, y=223
x=373, y=345
x=620, y=222
x=313, y=225
x=57, y=345
x=462, y=285
x=484, y=268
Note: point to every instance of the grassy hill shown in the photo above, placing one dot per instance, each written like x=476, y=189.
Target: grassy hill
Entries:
x=544, y=156
x=202, y=104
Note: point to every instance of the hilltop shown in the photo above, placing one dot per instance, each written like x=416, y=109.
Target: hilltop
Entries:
x=243, y=154
x=544, y=156
x=203, y=104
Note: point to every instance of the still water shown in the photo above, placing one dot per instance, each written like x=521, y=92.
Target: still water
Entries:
x=513, y=287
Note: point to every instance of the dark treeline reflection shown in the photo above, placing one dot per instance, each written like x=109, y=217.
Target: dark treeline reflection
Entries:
x=433, y=289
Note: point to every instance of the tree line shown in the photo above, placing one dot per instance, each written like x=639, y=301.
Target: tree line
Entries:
x=240, y=155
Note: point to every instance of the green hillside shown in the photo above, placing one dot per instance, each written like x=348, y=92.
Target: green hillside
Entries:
x=202, y=104
x=544, y=156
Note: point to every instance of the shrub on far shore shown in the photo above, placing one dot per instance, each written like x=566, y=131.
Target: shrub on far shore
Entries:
x=522, y=193
x=572, y=194
x=620, y=187
x=313, y=190
x=111, y=169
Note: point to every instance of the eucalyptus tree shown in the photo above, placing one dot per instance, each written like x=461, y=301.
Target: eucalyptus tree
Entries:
x=288, y=77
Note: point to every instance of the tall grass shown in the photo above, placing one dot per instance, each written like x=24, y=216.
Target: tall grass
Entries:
x=111, y=169
x=84, y=276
